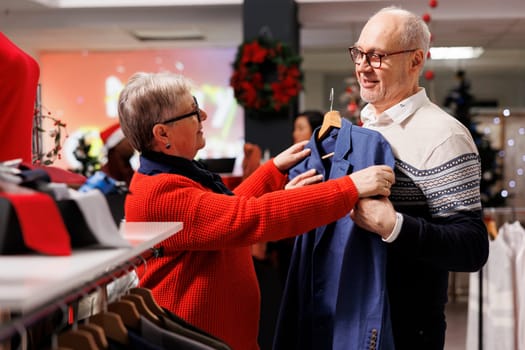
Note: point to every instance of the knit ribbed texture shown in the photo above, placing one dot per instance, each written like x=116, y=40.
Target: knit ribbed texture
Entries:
x=206, y=275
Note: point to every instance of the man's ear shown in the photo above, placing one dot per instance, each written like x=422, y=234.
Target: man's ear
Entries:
x=417, y=59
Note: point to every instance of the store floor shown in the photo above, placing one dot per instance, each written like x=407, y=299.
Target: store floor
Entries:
x=456, y=313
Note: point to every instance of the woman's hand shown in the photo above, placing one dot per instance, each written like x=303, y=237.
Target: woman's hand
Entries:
x=291, y=156
x=374, y=180
x=307, y=178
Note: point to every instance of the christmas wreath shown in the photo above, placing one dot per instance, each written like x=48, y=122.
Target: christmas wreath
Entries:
x=266, y=75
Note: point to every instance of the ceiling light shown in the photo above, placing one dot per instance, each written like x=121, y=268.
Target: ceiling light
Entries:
x=168, y=35
x=455, y=53
x=131, y=3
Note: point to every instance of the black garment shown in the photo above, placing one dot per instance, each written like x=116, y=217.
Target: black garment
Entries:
x=170, y=316
x=153, y=163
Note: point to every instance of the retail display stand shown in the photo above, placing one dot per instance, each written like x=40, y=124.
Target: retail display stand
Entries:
x=33, y=286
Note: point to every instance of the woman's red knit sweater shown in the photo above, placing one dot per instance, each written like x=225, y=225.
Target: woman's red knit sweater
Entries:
x=206, y=275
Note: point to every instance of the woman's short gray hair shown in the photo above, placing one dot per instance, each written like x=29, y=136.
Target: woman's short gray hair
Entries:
x=148, y=99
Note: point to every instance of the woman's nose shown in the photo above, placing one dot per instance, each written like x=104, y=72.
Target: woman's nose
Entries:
x=204, y=115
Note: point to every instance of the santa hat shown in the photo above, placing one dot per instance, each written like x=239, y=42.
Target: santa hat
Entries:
x=111, y=136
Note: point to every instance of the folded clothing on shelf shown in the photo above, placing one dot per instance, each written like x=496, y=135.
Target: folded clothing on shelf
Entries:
x=54, y=219
x=31, y=222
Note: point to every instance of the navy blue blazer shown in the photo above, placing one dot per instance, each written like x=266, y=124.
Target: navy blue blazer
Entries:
x=335, y=295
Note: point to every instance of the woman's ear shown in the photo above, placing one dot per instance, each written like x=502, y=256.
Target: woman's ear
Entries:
x=160, y=134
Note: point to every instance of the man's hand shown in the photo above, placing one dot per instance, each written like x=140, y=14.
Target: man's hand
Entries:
x=375, y=215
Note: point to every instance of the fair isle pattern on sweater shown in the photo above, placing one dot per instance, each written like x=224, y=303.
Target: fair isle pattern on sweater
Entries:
x=437, y=163
x=446, y=189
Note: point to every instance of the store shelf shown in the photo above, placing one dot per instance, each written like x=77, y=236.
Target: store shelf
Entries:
x=28, y=282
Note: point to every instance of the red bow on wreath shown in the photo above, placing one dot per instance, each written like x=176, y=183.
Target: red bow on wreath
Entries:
x=266, y=75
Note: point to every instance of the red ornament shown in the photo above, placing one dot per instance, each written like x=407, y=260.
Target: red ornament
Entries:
x=352, y=107
x=433, y=3
x=429, y=75
x=429, y=56
x=426, y=17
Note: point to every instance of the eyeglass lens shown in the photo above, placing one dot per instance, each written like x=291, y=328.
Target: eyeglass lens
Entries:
x=372, y=59
x=197, y=110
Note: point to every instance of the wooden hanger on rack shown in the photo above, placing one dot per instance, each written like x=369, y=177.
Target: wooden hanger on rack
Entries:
x=149, y=299
x=332, y=119
x=63, y=336
x=77, y=339
x=97, y=332
x=112, y=325
x=127, y=311
x=83, y=337
x=142, y=308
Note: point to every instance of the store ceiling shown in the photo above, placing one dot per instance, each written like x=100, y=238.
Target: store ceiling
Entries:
x=327, y=27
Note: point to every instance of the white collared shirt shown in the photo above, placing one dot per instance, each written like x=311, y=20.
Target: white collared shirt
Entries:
x=395, y=114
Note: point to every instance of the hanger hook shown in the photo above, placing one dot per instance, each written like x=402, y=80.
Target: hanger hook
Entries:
x=144, y=263
x=121, y=285
x=133, y=275
x=22, y=331
x=61, y=325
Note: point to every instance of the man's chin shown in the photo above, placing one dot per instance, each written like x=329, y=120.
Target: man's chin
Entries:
x=368, y=98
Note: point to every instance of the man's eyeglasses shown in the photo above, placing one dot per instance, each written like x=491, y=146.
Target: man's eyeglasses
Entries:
x=373, y=59
x=196, y=112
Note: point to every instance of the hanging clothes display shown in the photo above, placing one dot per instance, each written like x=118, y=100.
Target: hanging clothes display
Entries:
x=335, y=296
x=503, y=305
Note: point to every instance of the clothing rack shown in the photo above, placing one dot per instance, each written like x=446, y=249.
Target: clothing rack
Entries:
x=513, y=211
x=490, y=212
x=19, y=323
x=97, y=268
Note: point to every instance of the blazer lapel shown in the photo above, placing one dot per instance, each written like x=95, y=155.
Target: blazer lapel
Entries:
x=341, y=165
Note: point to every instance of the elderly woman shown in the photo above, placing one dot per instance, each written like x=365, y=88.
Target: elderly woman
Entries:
x=206, y=275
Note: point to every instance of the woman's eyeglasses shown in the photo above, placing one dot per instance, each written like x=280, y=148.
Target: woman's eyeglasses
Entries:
x=196, y=112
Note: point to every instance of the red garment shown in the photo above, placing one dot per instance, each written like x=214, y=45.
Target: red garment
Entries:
x=57, y=174
x=43, y=229
x=206, y=275
x=19, y=75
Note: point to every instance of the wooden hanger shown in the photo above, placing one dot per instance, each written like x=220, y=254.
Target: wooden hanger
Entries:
x=332, y=119
x=112, y=325
x=142, y=308
x=77, y=339
x=128, y=313
x=149, y=299
x=97, y=332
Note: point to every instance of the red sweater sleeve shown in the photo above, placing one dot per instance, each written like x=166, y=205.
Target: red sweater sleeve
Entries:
x=216, y=221
x=19, y=74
